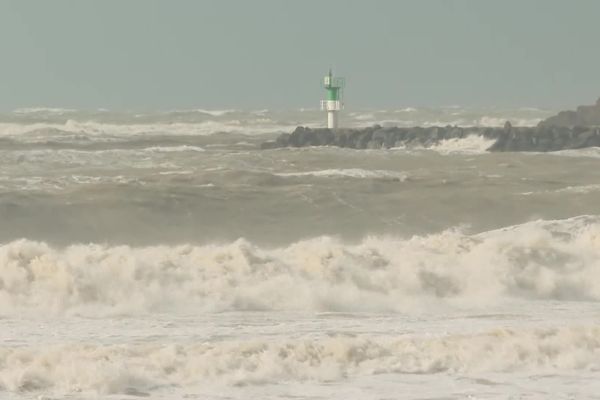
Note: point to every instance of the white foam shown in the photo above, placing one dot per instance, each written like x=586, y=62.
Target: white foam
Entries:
x=472, y=144
x=536, y=260
x=93, y=128
x=365, y=117
x=591, y=152
x=349, y=173
x=173, y=149
x=69, y=154
x=56, y=184
x=580, y=189
x=177, y=172
x=462, y=118
x=43, y=110
x=215, y=113
x=143, y=368
x=497, y=122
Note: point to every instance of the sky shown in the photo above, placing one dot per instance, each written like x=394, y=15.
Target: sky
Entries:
x=176, y=54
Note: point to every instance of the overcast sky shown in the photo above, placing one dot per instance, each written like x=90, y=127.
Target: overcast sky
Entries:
x=150, y=54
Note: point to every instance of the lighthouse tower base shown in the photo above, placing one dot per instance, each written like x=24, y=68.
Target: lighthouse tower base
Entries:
x=332, y=119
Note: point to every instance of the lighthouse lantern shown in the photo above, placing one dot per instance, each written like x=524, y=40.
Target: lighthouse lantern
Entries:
x=333, y=104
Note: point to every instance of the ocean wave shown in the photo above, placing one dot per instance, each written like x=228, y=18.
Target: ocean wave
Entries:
x=349, y=173
x=579, y=189
x=37, y=124
x=173, y=149
x=215, y=113
x=58, y=184
x=453, y=120
x=211, y=112
x=497, y=122
x=99, y=157
x=472, y=144
x=117, y=151
x=408, y=110
x=591, y=152
x=363, y=116
x=92, y=128
x=147, y=367
x=538, y=260
x=44, y=110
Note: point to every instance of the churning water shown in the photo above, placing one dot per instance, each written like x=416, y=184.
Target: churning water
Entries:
x=164, y=255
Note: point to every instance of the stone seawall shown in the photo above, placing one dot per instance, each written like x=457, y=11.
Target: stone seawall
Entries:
x=541, y=138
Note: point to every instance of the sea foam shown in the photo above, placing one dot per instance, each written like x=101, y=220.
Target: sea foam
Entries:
x=93, y=128
x=348, y=173
x=469, y=145
x=141, y=368
x=542, y=260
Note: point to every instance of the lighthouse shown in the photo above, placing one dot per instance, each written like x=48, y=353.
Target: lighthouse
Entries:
x=333, y=104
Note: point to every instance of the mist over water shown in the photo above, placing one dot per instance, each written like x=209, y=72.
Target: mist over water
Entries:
x=165, y=255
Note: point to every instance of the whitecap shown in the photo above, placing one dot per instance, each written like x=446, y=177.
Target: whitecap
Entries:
x=545, y=260
x=349, y=173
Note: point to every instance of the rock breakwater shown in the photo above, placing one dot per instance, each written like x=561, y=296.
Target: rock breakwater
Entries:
x=542, y=138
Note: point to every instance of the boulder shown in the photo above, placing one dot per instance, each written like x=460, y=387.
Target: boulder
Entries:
x=588, y=116
x=508, y=138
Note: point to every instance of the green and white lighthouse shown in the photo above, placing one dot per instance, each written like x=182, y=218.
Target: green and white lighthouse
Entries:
x=333, y=104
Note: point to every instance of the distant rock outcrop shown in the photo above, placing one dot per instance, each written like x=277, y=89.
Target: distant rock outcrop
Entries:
x=584, y=116
x=541, y=138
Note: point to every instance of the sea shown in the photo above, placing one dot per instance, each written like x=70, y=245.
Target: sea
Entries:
x=163, y=255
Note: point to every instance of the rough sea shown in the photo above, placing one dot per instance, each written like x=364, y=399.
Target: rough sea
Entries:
x=163, y=255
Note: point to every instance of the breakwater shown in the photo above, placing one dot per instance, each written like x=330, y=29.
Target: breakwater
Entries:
x=541, y=138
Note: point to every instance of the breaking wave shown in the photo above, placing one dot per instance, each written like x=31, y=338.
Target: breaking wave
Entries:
x=37, y=154
x=500, y=121
x=591, y=152
x=215, y=113
x=173, y=149
x=140, y=368
x=349, y=173
x=92, y=128
x=579, y=189
x=532, y=261
x=472, y=144
x=44, y=110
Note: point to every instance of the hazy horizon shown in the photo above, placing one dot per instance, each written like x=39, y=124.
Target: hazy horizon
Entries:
x=153, y=55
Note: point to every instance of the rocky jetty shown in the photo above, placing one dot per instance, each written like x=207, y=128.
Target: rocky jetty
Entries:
x=541, y=138
x=583, y=116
